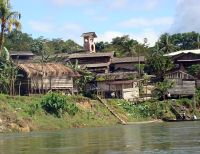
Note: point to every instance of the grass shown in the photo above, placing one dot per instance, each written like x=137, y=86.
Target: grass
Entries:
x=90, y=113
x=23, y=109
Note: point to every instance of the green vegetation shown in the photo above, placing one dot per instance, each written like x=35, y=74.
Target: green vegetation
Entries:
x=19, y=41
x=123, y=46
x=162, y=87
x=194, y=70
x=8, y=19
x=44, y=112
x=55, y=103
x=21, y=111
x=8, y=76
x=140, y=112
x=158, y=65
x=153, y=109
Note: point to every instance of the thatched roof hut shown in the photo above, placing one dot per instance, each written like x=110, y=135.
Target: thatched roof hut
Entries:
x=47, y=69
x=40, y=78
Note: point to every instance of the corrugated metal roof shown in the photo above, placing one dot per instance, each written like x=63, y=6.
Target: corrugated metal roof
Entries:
x=127, y=59
x=196, y=51
x=96, y=65
x=21, y=53
x=86, y=55
x=116, y=76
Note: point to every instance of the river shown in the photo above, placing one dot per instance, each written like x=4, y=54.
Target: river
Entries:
x=181, y=137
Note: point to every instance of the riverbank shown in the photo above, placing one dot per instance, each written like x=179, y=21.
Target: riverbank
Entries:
x=22, y=113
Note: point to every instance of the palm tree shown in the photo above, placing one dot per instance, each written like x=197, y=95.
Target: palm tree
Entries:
x=198, y=42
x=168, y=46
x=8, y=20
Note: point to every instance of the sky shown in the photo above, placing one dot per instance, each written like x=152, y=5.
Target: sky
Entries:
x=68, y=19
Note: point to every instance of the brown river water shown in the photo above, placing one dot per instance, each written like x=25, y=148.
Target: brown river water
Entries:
x=181, y=137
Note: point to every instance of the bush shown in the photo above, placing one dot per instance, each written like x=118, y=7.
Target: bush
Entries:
x=143, y=110
x=33, y=108
x=55, y=103
x=186, y=102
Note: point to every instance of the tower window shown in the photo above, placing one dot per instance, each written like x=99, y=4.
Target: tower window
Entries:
x=92, y=47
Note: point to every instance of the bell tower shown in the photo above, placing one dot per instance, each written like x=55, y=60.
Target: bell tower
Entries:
x=89, y=44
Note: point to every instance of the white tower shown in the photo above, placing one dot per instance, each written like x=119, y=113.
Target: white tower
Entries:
x=89, y=44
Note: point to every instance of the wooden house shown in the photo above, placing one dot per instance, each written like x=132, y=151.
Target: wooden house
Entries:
x=22, y=56
x=122, y=85
x=184, y=83
x=37, y=78
x=126, y=64
x=94, y=62
x=185, y=58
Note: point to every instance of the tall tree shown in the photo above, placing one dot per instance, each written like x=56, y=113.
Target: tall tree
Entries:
x=18, y=41
x=8, y=19
x=165, y=43
x=158, y=65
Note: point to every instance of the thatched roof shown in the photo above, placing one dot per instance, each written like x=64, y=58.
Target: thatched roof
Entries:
x=47, y=69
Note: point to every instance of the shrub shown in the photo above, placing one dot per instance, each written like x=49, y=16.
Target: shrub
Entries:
x=33, y=108
x=55, y=103
x=186, y=102
x=143, y=110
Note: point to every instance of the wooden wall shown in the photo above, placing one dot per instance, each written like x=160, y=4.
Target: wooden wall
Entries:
x=128, y=91
x=52, y=82
x=184, y=88
x=127, y=66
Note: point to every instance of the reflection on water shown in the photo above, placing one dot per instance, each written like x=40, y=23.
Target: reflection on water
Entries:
x=182, y=137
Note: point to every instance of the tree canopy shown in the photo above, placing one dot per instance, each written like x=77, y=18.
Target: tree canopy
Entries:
x=8, y=19
x=123, y=46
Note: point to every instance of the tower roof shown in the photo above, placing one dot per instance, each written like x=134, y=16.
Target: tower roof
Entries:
x=89, y=34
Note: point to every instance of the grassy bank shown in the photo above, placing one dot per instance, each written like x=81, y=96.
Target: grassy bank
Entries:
x=25, y=114
x=151, y=110
x=22, y=113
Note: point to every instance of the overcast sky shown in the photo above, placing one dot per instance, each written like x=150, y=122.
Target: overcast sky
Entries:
x=68, y=19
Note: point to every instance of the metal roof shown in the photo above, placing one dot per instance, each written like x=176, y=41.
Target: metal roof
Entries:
x=87, y=55
x=21, y=53
x=127, y=59
x=196, y=51
x=96, y=65
x=89, y=34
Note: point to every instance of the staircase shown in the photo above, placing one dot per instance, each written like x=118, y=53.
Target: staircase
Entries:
x=111, y=110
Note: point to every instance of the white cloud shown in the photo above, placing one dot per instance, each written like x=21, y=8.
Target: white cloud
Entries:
x=41, y=26
x=72, y=2
x=150, y=4
x=145, y=22
x=150, y=34
x=71, y=31
x=187, y=16
x=108, y=36
x=118, y=4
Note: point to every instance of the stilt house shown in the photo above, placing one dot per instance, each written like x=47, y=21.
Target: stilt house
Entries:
x=40, y=78
x=122, y=85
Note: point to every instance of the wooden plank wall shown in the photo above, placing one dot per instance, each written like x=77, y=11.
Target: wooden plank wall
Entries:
x=52, y=83
x=186, y=88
